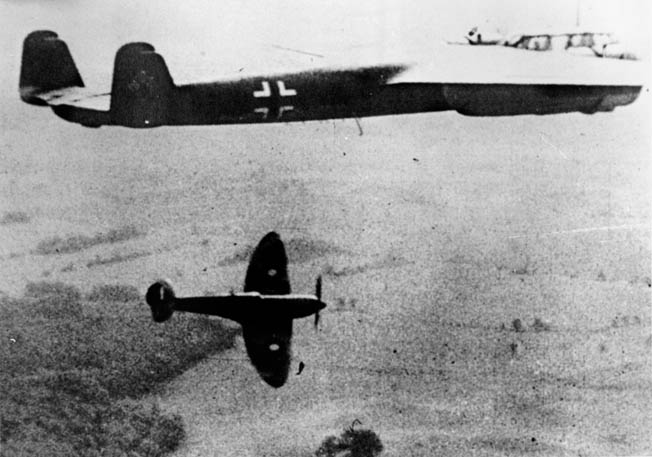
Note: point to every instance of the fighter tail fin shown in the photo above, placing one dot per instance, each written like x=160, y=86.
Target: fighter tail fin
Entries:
x=46, y=65
x=160, y=297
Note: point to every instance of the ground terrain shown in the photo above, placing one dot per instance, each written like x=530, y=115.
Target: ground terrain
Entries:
x=488, y=280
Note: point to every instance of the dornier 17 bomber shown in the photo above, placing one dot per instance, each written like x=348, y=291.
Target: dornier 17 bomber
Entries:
x=469, y=80
x=265, y=310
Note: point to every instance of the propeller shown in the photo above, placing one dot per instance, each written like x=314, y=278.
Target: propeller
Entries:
x=318, y=288
x=318, y=295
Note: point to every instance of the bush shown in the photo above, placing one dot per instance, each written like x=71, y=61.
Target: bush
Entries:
x=352, y=443
x=115, y=258
x=14, y=217
x=540, y=326
x=74, y=243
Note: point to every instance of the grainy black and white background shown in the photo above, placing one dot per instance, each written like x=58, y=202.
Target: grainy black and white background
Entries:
x=434, y=232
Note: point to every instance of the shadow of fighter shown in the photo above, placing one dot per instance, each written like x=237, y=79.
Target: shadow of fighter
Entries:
x=265, y=309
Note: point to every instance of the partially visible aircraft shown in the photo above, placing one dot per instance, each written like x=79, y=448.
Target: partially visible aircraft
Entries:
x=265, y=310
x=497, y=82
x=477, y=36
x=578, y=41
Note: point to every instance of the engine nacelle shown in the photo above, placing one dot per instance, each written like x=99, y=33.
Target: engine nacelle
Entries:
x=160, y=298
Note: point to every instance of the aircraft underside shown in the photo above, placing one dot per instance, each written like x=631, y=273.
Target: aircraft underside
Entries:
x=197, y=105
x=143, y=93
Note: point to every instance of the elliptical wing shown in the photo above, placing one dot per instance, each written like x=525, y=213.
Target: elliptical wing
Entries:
x=267, y=338
x=268, y=268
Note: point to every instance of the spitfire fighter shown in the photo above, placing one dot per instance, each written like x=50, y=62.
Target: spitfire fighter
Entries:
x=265, y=310
x=501, y=82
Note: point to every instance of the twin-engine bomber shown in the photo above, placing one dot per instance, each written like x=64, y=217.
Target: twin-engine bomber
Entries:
x=265, y=310
x=471, y=81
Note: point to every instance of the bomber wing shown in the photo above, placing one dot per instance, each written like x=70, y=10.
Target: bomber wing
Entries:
x=473, y=80
x=497, y=81
x=504, y=65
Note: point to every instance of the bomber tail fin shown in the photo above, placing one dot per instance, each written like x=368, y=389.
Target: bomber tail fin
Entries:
x=142, y=87
x=46, y=65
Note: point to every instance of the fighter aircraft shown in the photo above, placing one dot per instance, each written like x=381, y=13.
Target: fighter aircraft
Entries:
x=265, y=309
x=496, y=82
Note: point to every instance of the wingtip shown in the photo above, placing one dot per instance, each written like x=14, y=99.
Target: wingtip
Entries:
x=271, y=236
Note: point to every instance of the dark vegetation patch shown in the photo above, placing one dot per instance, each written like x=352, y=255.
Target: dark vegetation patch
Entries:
x=519, y=446
x=299, y=250
x=533, y=407
x=616, y=378
x=353, y=442
x=113, y=293
x=538, y=325
x=72, y=373
x=343, y=303
x=303, y=250
x=519, y=266
x=70, y=413
x=525, y=268
x=115, y=258
x=626, y=321
x=14, y=217
x=241, y=255
x=641, y=280
x=389, y=261
x=517, y=325
x=75, y=243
